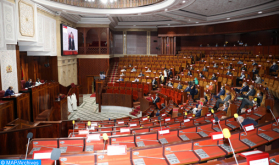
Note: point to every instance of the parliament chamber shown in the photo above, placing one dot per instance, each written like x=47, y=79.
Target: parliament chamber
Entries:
x=140, y=82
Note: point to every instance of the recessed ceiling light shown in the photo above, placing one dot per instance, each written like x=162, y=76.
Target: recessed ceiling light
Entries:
x=189, y=20
x=169, y=24
x=166, y=9
x=183, y=1
x=197, y=22
x=135, y=25
x=260, y=12
x=104, y=1
x=139, y=13
x=228, y=18
x=111, y=1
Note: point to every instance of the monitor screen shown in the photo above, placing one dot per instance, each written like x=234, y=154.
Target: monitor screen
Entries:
x=69, y=40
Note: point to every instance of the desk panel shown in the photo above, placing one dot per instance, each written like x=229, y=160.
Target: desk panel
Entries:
x=117, y=100
x=6, y=113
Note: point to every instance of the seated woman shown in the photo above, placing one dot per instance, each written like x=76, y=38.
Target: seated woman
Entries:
x=161, y=78
x=122, y=74
x=148, y=70
x=38, y=82
x=123, y=70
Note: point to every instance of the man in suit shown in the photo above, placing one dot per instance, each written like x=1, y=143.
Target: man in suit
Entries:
x=201, y=75
x=121, y=78
x=242, y=76
x=189, y=73
x=198, y=111
x=255, y=71
x=220, y=101
x=154, y=84
x=193, y=91
x=245, y=88
x=273, y=68
x=141, y=74
x=156, y=100
x=71, y=42
x=258, y=79
x=187, y=89
x=246, y=121
x=213, y=77
x=170, y=74
x=9, y=91
x=191, y=67
x=28, y=84
x=226, y=106
x=230, y=67
x=179, y=86
x=229, y=73
x=169, y=84
x=221, y=93
x=243, y=68
x=251, y=92
x=205, y=69
x=251, y=101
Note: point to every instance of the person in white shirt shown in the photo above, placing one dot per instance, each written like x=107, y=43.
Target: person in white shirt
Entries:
x=169, y=84
x=136, y=79
x=122, y=74
x=165, y=75
x=148, y=70
x=258, y=79
x=38, y=82
x=102, y=76
x=123, y=70
x=133, y=70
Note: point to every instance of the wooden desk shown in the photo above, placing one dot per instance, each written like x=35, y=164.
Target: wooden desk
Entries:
x=144, y=104
x=6, y=112
x=21, y=105
x=60, y=110
x=117, y=99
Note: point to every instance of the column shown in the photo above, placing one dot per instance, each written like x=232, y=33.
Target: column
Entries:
x=124, y=42
x=148, y=43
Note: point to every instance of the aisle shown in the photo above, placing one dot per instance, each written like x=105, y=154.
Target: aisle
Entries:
x=88, y=110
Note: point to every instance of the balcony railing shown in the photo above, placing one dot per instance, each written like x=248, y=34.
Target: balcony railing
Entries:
x=93, y=50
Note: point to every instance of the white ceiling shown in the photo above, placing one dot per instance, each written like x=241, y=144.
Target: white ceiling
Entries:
x=190, y=13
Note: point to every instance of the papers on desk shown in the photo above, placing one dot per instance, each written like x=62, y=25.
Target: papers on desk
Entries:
x=42, y=154
x=94, y=137
x=116, y=150
x=18, y=94
x=240, y=98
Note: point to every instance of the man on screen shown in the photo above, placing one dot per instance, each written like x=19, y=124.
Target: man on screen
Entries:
x=71, y=42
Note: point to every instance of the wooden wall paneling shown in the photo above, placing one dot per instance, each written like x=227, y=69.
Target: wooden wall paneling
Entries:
x=165, y=45
x=108, y=41
x=136, y=42
x=162, y=45
x=154, y=45
x=118, y=42
x=174, y=44
x=6, y=113
x=0, y=81
x=18, y=68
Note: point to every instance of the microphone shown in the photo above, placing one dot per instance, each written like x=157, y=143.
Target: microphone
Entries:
x=236, y=116
x=55, y=155
x=218, y=121
x=159, y=118
x=273, y=160
x=73, y=128
x=29, y=136
x=268, y=107
x=105, y=137
x=227, y=135
x=89, y=124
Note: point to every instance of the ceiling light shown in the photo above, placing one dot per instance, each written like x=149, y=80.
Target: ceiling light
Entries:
x=260, y=12
x=166, y=9
x=228, y=18
x=111, y=1
x=197, y=22
x=169, y=24
x=135, y=25
x=183, y=1
x=104, y=1
x=139, y=13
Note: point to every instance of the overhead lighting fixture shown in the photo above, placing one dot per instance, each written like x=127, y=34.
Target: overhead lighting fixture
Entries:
x=135, y=25
x=169, y=24
x=197, y=22
x=166, y=9
x=260, y=12
x=139, y=13
x=104, y=1
x=228, y=18
x=183, y=1
x=111, y=1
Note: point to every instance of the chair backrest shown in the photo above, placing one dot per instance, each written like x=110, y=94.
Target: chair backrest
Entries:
x=73, y=85
x=22, y=82
x=2, y=94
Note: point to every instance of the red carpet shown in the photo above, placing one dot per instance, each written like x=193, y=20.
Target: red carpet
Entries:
x=93, y=95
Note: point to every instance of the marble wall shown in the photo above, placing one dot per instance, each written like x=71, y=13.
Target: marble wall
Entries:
x=8, y=57
x=67, y=70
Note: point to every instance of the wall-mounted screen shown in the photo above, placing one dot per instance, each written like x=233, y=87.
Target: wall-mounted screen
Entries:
x=69, y=40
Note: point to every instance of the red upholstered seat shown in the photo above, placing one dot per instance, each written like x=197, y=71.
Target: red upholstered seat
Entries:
x=42, y=81
x=122, y=91
x=116, y=84
x=145, y=89
x=110, y=84
x=2, y=94
x=163, y=90
x=135, y=85
x=122, y=84
x=22, y=82
x=73, y=85
x=128, y=92
x=109, y=91
x=115, y=91
x=128, y=84
x=140, y=86
x=135, y=95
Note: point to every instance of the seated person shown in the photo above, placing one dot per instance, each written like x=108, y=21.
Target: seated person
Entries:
x=254, y=63
x=187, y=88
x=129, y=65
x=38, y=82
x=191, y=67
x=193, y=91
x=154, y=83
x=157, y=113
x=243, y=68
x=210, y=86
x=258, y=79
x=229, y=73
x=169, y=84
x=141, y=75
x=245, y=88
x=251, y=92
x=252, y=101
x=9, y=91
x=201, y=75
x=197, y=111
x=134, y=69
x=177, y=77
x=123, y=70
x=170, y=74
x=220, y=101
x=221, y=93
x=215, y=65
x=205, y=69
x=246, y=121
x=189, y=73
x=179, y=86
x=28, y=83
x=240, y=62
x=255, y=71
x=226, y=58
x=121, y=78
x=102, y=76
x=161, y=78
x=136, y=79
x=122, y=74
x=242, y=76
x=226, y=106
x=156, y=100
x=213, y=77
x=230, y=67
x=148, y=70
x=273, y=68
